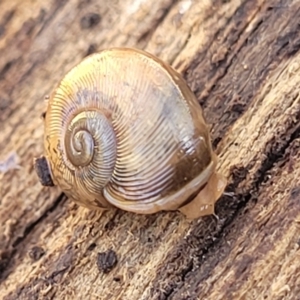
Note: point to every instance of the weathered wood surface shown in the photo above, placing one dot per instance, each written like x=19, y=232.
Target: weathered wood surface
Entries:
x=242, y=60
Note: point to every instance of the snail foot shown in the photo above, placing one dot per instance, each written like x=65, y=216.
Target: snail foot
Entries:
x=204, y=202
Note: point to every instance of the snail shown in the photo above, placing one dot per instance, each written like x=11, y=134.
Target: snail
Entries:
x=123, y=129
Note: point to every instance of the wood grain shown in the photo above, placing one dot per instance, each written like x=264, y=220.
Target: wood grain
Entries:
x=242, y=60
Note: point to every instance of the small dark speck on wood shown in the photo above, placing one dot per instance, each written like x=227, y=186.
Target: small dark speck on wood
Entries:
x=36, y=253
x=106, y=261
x=89, y=20
x=91, y=247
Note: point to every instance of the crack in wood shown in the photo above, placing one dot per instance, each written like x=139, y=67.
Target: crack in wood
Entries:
x=146, y=36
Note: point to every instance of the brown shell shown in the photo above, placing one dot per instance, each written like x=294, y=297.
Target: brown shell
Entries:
x=122, y=128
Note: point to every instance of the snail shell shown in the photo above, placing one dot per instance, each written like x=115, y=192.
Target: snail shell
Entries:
x=123, y=129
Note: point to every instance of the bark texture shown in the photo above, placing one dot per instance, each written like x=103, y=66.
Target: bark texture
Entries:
x=242, y=60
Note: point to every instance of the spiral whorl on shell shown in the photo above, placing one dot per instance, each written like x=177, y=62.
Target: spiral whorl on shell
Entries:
x=123, y=128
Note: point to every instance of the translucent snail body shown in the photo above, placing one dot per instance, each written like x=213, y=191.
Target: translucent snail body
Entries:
x=123, y=129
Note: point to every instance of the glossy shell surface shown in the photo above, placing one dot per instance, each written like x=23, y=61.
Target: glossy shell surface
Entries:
x=122, y=128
